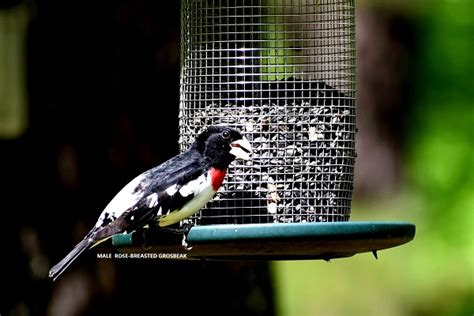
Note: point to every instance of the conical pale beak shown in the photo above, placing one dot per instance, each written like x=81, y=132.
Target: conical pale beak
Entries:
x=241, y=149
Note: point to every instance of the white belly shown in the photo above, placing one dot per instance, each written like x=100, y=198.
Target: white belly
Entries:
x=189, y=208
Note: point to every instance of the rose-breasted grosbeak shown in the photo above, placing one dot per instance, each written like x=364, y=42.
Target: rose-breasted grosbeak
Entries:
x=168, y=193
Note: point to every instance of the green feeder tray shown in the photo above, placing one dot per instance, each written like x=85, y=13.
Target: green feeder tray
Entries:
x=268, y=241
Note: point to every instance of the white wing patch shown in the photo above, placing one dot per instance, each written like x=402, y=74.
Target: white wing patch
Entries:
x=172, y=190
x=152, y=200
x=125, y=199
x=194, y=187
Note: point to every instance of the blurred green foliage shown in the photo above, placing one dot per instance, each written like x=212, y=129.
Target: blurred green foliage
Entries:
x=13, y=100
x=280, y=39
x=434, y=274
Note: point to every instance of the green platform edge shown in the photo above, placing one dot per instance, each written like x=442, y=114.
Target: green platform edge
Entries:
x=331, y=230
x=279, y=241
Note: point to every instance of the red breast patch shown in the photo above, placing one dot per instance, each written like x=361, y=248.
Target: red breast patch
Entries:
x=217, y=177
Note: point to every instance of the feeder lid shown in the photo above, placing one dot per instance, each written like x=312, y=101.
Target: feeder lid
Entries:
x=282, y=241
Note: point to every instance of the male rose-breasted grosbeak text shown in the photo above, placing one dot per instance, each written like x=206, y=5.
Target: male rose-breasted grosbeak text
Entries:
x=168, y=193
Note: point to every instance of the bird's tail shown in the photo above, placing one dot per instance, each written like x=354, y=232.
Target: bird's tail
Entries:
x=59, y=268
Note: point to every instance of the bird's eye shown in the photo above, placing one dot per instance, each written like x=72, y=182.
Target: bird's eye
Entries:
x=225, y=134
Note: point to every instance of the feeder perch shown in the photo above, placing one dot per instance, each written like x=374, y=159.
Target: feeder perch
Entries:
x=283, y=73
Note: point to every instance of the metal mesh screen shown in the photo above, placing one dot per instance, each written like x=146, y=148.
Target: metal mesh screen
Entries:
x=282, y=72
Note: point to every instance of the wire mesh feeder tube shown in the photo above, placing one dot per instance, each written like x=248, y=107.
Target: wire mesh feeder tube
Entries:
x=282, y=72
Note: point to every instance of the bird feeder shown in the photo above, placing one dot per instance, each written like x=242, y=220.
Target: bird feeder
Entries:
x=283, y=73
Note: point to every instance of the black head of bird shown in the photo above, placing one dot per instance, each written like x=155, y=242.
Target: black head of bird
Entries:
x=220, y=145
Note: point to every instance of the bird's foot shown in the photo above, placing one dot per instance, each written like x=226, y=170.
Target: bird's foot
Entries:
x=182, y=230
x=185, y=244
x=186, y=228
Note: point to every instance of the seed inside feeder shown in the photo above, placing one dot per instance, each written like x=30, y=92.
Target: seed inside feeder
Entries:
x=303, y=155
